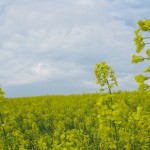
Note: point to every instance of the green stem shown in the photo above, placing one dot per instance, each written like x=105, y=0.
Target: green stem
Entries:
x=147, y=58
x=116, y=136
x=147, y=43
x=146, y=38
x=108, y=87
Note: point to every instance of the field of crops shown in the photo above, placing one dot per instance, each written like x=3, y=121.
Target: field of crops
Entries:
x=118, y=121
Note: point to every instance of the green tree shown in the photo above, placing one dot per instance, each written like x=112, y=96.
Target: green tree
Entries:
x=142, y=40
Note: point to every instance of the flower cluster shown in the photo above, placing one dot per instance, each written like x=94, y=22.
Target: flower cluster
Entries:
x=119, y=121
x=124, y=121
x=140, y=42
x=105, y=76
x=49, y=123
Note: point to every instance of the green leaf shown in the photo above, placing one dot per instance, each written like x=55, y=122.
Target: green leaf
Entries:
x=147, y=69
x=148, y=52
x=137, y=32
x=138, y=40
x=140, y=23
x=136, y=59
x=140, y=78
x=143, y=87
x=144, y=25
x=147, y=24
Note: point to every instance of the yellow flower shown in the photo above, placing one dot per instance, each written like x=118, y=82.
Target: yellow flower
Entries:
x=136, y=59
x=140, y=78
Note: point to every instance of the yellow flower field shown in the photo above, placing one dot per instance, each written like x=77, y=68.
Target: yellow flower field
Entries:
x=119, y=121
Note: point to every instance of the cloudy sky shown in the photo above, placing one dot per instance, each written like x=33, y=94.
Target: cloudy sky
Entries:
x=52, y=46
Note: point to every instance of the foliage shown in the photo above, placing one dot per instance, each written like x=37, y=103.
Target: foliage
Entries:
x=76, y=122
x=141, y=43
x=49, y=122
x=124, y=121
x=1, y=93
x=105, y=76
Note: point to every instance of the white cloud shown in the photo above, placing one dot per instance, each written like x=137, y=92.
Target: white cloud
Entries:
x=85, y=2
x=126, y=81
x=4, y=2
x=30, y=72
x=48, y=40
x=89, y=84
x=42, y=70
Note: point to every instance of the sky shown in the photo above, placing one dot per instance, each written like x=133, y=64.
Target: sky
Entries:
x=52, y=46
